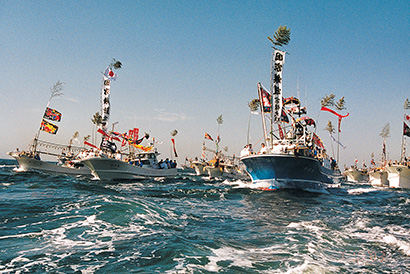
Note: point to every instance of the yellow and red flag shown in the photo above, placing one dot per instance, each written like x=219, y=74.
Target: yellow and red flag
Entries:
x=48, y=127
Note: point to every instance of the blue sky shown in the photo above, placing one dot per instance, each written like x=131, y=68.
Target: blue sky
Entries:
x=187, y=62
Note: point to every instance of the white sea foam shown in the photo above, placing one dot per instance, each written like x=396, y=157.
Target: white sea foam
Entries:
x=19, y=169
x=403, y=246
x=357, y=191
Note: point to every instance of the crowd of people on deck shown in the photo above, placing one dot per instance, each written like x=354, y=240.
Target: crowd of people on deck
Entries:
x=167, y=164
x=278, y=147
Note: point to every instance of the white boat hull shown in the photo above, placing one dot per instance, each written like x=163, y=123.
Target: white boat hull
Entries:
x=213, y=171
x=199, y=168
x=354, y=175
x=112, y=169
x=379, y=178
x=398, y=176
x=30, y=164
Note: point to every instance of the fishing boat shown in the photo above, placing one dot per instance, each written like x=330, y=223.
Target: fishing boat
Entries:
x=65, y=161
x=199, y=167
x=137, y=166
x=398, y=175
x=32, y=162
x=140, y=162
x=399, y=172
x=296, y=157
x=378, y=177
x=234, y=171
x=355, y=175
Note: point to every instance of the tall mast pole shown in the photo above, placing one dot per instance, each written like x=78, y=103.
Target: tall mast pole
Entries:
x=272, y=72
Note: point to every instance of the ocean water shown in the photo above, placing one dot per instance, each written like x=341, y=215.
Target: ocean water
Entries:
x=191, y=224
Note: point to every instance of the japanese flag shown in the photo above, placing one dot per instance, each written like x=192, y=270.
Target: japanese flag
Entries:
x=110, y=74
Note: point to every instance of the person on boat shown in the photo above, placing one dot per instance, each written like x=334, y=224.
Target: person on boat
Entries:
x=244, y=151
x=162, y=165
x=264, y=149
x=250, y=149
x=276, y=148
x=167, y=162
x=37, y=156
x=174, y=164
x=139, y=162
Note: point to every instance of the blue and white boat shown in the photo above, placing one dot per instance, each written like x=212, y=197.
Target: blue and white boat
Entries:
x=298, y=169
x=295, y=157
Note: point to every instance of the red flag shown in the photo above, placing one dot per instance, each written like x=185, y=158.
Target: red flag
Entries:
x=131, y=135
x=265, y=98
x=103, y=132
x=136, y=132
x=335, y=113
x=281, y=135
x=317, y=141
x=116, y=136
x=124, y=139
x=91, y=145
x=173, y=145
x=207, y=136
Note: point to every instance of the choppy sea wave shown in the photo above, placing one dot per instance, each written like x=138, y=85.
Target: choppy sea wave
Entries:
x=190, y=224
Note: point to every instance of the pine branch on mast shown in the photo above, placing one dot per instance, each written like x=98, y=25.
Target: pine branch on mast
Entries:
x=329, y=101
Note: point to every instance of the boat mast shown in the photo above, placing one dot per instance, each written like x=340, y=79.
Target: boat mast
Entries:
x=272, y=73
x=403, y=141
x=265, y=134
x=56, y=91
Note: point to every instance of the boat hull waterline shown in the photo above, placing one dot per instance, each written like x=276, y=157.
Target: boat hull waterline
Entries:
x=111, y=169
x=30, y=164
x=286, y=171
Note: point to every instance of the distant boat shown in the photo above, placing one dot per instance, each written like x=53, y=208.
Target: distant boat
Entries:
x=295, y=157
x=234, y=171
x=399, y=173
x=199, y=167
x=378, y=177
x=356, y=175
x=139, y=166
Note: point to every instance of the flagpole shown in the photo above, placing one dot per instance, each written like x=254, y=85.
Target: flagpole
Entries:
x=338, y=134
x=263, y=114
x=271, y=96
x=39, y=129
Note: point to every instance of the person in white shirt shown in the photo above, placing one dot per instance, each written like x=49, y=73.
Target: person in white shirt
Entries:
x=244, y=151
x=264, y=149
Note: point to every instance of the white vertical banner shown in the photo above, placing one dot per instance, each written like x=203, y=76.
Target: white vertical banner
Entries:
x=105, y=102
x=279, y=60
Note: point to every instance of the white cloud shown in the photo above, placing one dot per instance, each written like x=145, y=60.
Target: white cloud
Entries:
x=71, y=99
x=165, y=116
